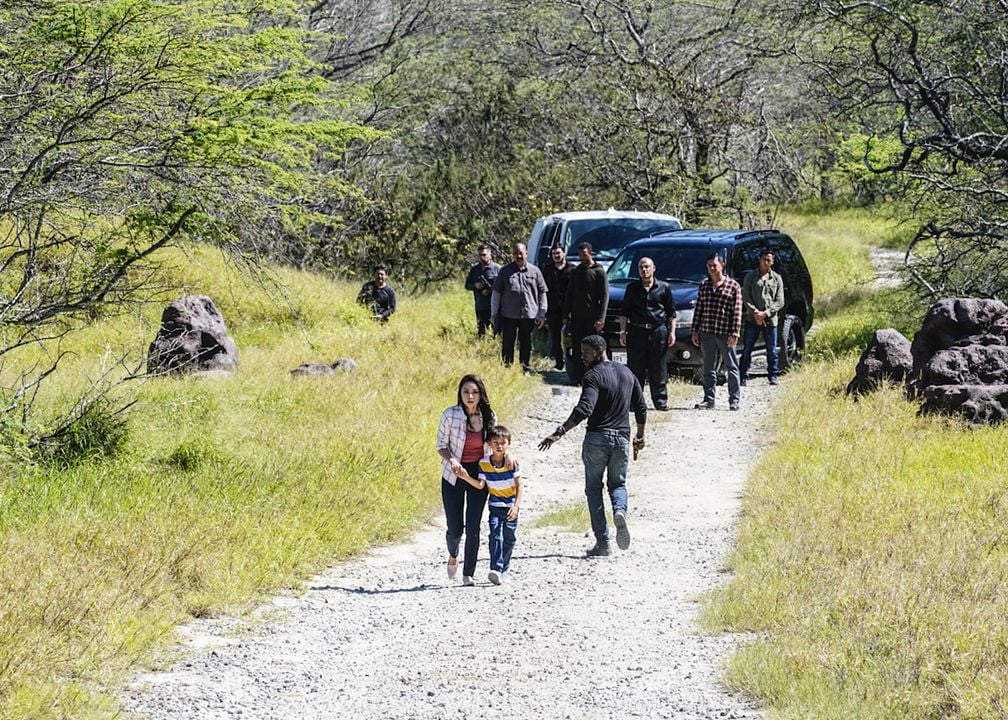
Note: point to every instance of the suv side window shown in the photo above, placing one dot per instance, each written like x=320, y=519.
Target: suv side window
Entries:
x=744, y=259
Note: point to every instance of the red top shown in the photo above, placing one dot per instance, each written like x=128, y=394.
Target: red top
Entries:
x=473, y=449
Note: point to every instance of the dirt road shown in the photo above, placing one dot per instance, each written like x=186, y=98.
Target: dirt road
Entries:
x=388, y=636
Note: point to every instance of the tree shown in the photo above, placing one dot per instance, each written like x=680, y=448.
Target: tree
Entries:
x=930, y=79
x=132, y=124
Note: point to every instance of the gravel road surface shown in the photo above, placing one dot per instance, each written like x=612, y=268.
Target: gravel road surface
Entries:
x=386, y=635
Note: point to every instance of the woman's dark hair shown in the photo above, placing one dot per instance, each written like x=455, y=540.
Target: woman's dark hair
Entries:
x=484, y=402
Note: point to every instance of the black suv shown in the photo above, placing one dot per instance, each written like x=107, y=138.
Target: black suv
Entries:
x=680, y=259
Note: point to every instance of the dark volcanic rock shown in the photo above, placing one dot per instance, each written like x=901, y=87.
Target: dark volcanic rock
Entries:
x=960, y=360
x=192, y=338
x=887, y=359
x=949, y=322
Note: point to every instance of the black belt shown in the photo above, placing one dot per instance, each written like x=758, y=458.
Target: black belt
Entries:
x=647, y=326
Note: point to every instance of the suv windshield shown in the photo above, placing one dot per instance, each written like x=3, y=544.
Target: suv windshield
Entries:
x=680, y=263
x=609, y=235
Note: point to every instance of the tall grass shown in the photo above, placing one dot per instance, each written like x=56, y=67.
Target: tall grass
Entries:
x=226, y=488
x=872, y=557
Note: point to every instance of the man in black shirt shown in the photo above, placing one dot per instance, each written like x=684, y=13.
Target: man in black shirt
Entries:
x=557, y=275
x=377, y=295
x=585, y=305
x=649, y=311
x=480, y=282
x=609, y=391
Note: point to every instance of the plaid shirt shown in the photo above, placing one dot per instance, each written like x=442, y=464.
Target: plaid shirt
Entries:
x=718, y=308
x=451, y=434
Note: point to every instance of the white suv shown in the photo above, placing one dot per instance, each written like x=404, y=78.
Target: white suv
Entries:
x=608, y=231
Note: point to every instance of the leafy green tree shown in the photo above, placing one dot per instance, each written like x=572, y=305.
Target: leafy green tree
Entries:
x=132, y=124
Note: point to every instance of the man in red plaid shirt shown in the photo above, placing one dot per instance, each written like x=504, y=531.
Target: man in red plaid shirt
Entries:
x=717, y=322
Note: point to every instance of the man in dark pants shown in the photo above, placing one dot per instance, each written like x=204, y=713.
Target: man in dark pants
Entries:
x=557, y=274
x=518, y=303
x=585, y=305
x=649, y=311
x=609, y=391
x=763, y=295
x=480, y=282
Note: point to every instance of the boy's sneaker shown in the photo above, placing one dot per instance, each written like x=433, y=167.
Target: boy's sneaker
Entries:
x=468, y=581
x=494, y=577
x=504, y=576
x=599, y=550
x=622, y=532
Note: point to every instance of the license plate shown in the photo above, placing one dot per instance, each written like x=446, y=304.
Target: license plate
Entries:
x=619, y=356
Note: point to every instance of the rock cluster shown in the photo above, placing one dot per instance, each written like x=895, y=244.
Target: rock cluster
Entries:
x=317, y=369
x=193, y=338
x=959, y=361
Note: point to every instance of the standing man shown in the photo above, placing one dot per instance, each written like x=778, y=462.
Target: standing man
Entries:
x=585, y=305
x=517, y=304
x=717, y=322
x=480, y=281
x=609, y=391
x=378, y=295
x=649, y=310
x=557, y=274
x=763, y=295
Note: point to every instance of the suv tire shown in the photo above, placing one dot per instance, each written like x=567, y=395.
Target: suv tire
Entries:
x=791, y=338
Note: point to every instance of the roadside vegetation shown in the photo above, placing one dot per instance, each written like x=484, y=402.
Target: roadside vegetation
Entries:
x=215, y=491
x=871, y=561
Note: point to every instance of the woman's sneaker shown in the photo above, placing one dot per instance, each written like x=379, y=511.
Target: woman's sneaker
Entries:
x=494, y=577
x=468, y=581
x=622, y=531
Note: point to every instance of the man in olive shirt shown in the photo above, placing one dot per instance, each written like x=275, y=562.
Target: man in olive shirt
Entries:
x=763, y=298
x=647, y=330
x=517, y=304
x=585, y=305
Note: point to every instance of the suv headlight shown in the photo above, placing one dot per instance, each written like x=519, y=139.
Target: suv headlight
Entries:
x=684, y=317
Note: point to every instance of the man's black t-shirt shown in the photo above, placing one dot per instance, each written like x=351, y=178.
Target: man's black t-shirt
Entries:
x=609, y=391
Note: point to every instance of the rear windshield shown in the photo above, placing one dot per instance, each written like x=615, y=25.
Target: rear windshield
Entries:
x=610, y=235
x=682, y=263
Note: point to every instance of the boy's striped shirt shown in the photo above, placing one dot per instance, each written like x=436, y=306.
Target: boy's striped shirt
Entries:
x=500, y=482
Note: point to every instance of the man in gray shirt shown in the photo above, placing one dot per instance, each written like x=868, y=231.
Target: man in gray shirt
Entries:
x=518, y=303
x=763, y=296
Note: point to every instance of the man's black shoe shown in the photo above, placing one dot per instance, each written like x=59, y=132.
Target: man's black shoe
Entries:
x=599, y=550
x=662, y=408
x=705, y=405
x=743, y=381
x=772, y=380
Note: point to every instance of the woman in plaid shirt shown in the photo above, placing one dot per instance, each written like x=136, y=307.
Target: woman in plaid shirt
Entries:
x=461, y=443
x=717, y=323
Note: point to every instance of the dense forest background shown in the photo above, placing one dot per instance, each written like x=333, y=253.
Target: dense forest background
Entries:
x=334, y=134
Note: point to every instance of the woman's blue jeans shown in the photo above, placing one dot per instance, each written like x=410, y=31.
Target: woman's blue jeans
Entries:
x=608, y=452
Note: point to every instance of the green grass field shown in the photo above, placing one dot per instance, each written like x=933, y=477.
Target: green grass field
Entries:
x=872, y=561
x=227, y=488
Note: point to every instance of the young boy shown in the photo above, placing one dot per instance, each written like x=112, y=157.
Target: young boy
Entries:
x=505, y=486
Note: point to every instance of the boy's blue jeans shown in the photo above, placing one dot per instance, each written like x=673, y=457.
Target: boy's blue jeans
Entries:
x=502, y=538
x=605, y=451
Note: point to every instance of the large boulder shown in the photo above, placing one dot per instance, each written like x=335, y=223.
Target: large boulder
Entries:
x=193, y=338
x=960, y=360
x=887, y=359
x=954, y=321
